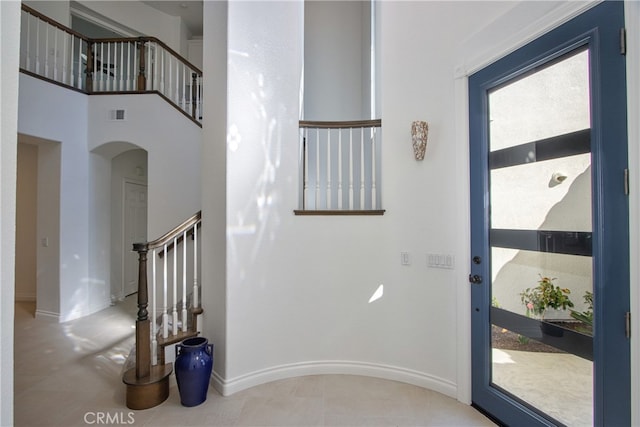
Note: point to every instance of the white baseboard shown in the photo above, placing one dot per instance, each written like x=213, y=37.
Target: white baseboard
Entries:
x=420, y=379
x=49, y=315
x=76, y=314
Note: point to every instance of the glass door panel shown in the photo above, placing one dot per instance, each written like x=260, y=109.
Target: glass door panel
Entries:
x=543, y=103
x=540, y=239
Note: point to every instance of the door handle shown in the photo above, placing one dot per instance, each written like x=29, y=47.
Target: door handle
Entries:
x=475, y=279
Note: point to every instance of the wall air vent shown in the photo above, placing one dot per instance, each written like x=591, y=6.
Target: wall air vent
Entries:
x=118, y=115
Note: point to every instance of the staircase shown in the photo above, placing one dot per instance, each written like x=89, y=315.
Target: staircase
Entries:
x=174, y=311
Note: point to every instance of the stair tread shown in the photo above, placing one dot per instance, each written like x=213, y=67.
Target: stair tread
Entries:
x=157, y=374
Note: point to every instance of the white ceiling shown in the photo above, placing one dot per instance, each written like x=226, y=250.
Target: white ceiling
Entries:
x=189, y=10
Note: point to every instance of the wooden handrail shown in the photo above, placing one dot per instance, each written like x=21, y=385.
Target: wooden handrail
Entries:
x=375, y=123
x=169, y=236
x=53, y=22
x=148, y=39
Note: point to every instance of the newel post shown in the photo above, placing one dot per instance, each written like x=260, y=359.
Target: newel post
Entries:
x=142, y=78
x=143, y=331
x=89, y=69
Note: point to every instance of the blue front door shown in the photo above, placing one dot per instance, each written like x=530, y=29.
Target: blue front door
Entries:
x=549, y=228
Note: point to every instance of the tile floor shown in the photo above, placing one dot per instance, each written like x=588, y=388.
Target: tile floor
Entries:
x=69, y=375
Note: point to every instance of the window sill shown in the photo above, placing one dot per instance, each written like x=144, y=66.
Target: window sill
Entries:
x=328, y=212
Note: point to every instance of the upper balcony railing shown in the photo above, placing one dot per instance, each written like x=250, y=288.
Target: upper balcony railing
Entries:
x=340, y=168
x=59, y=54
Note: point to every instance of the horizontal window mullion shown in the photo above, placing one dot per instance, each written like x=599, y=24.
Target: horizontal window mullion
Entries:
x=569, y=144
x=567, y=340
x=559, y=242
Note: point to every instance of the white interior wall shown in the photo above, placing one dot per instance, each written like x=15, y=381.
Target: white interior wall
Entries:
x=173, y=144
x=142, y=18
x=26, y=222
x=413, y=87
x=84, y=270
x=321, y=271
x=213, y=165
x=194, y=52
x=100, y=236
x=58, y=10
x=48, y=225
x=9, y=45
x=131, y=14
x=40, y=116
x=336, y=65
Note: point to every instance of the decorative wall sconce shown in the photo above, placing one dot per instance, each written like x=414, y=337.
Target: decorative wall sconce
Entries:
x=557, y=179
x=419, y=133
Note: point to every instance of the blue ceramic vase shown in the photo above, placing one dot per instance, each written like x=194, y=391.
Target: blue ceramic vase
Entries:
x=193, y=365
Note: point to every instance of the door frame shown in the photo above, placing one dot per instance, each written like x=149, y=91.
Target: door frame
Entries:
x=599, y=29
x=489, y=44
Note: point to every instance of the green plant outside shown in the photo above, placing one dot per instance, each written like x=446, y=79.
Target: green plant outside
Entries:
x=544, y=296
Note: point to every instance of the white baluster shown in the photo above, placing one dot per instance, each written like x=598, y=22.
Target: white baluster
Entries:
x=72, y=73
x=374, y=171
x=155, y=66
x=198, y=99
x=340, y=183
x=55, y=54
x=161, y=70
x=174, y=312
x=37, y=45
x=65, y=63
x=165, y=306
x=176, y=99
x=195, y=266
x=184, y=88
x=129, y=66
x=121, y=67
x=184, y=283
x=362, y=183
x=328, y=171
x=154, y=324
x=28, y=47
x=80, y=67
x=106, y=69
x=196, y=301
x=305, y=160
x=97, y=75
x=169, y=87
x=46, y=49
x=351, y=157
x=316, y=190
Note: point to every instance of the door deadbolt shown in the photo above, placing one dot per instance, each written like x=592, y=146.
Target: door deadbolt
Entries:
x=475, y=279
x=477, y=260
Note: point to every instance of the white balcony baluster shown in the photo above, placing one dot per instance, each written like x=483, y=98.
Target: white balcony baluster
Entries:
x=154, y=321
x=174, y=311
x=184, y=282
x=165, y=305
